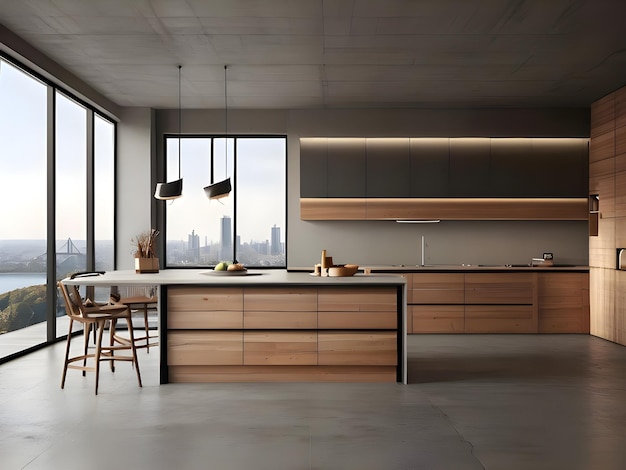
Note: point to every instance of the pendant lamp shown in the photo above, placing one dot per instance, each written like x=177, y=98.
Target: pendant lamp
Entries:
x=173, y=189
x=222, y=188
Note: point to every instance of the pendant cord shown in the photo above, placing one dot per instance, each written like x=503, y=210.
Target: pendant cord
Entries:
x=180, y=119
x=226, y=121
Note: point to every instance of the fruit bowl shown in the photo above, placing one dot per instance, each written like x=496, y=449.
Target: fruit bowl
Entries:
x=343, y=270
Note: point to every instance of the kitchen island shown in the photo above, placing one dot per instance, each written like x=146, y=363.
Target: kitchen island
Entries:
x=274, y=325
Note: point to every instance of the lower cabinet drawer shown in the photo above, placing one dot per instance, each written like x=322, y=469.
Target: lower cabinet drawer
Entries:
x=437, y=318
x=500, y=319
x=280, y=348
x=357, y=348
x=357, y=320
x=204, y=348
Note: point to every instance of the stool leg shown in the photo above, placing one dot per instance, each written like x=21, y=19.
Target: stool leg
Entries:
x=99, y=351
x=67, y=354
x=86, y=332
x=145, y=323
x=112, y=325
x=132, y=346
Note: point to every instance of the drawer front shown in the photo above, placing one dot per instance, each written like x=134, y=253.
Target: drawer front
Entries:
x=198, y=320
x=280, y=348
x=263, y=320
x=357, y=348
x=278, y=299
x=350, y=299
x=437, y=288
x=511, y=288
x=563, y=290
x=204, y=299
x=358, y=320
x=500, y=319
x=204, y=348
x=437, y=318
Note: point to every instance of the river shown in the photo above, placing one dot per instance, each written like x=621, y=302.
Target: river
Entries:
x=11, y=281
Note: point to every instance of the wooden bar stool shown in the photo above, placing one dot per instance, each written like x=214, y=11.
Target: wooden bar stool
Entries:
x=96, y=316
x=140, y=300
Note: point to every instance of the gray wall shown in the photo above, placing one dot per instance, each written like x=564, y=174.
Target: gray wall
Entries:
x=376, y=242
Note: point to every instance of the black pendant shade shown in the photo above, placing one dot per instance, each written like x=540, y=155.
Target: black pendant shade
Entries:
x=171, y=190
x=218, y=190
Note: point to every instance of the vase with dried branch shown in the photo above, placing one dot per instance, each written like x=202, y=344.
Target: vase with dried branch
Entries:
x=146, y=260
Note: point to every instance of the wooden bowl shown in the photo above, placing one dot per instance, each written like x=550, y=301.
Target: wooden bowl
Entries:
x=343, y=270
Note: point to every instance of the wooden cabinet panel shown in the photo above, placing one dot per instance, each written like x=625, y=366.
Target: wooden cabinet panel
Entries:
x=357, y=348
x=500, y=319
x=272, y=299
x=333, y=208
x=204, y=348
x=350, y=299
x=437, y=318
x=603, y=115
x=512, y=288
x=563, y=302
x=437, y=288
x=363, y=320
x=279, y=320
x=204, y=299
x=602, y=146
x=602, y=249
x=197, y=320
x=279, y=348
x=388, y=167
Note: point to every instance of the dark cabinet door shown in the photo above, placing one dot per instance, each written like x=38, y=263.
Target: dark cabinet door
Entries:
x=314, y=167
x=430, y=168
x=513, y=171
x=346, y=167
x=388, y=167
x=469, y=167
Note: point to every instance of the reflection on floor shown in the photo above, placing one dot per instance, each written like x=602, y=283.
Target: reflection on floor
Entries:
x=474, y=402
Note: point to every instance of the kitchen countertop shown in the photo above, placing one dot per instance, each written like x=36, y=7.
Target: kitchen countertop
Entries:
x=401, y=269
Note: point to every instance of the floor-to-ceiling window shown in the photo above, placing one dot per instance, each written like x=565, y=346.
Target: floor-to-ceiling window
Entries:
x=250, y=224
x=57, y=183
x=23, y=156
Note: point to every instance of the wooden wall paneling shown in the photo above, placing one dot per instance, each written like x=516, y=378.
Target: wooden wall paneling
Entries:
x=602, y=183
x=204, y=347
x=602, y=146
x=388, y=167
x=437, y=288
x=437, y=318
x=602, y=292
x=620, y=140
x=620, y=185
x=603, y=115
x=280, y=348
x=357, y=348
x=619, y=323
x=602, y=249
x=620, y=109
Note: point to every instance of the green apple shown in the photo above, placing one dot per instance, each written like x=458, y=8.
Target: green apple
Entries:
x=223, y=266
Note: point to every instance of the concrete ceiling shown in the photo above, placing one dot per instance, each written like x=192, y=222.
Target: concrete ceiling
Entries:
x=333, y=53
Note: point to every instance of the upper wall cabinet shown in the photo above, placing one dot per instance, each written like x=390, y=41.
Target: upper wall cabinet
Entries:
x=442, y=167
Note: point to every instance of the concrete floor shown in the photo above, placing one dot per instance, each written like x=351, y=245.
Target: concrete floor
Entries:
x=474, y=402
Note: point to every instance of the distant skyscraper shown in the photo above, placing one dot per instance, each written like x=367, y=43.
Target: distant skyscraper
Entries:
x=276, y=248
x=226, y=240
x=193, y=246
